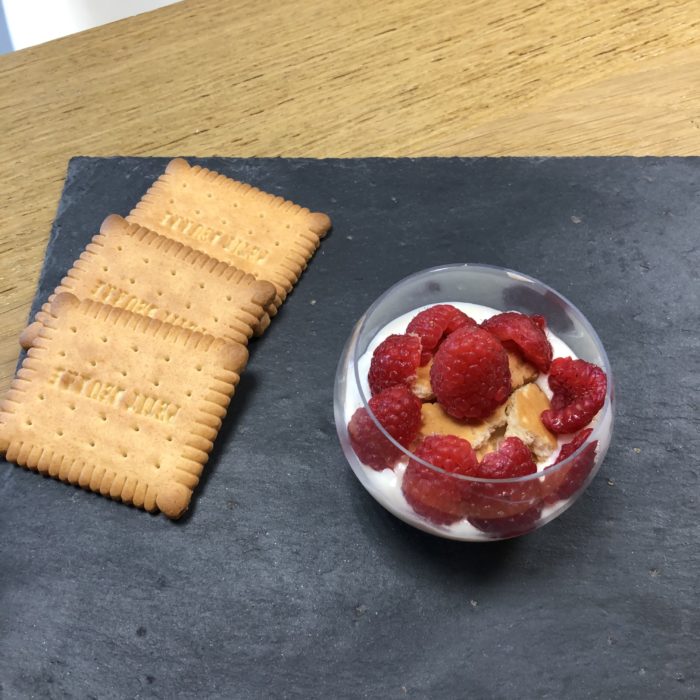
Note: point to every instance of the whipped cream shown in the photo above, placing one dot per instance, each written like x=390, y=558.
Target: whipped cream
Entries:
x=385, y=485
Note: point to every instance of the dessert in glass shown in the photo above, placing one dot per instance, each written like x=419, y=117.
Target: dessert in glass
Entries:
x=474, y=402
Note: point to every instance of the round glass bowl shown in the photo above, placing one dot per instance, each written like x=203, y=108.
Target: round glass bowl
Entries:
x=489, y=509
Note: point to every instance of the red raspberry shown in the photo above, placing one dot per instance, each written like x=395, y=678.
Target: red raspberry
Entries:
x=470, y=375
x=570, y=447
x=511, y=460
x=525, y=333
x=540, y=321
x=504, y=500
x=399, y=413
x=565, y=482
x=509, y=527
x=395, y=361
x=433, y=325
x=439, y=497
x=579, y=393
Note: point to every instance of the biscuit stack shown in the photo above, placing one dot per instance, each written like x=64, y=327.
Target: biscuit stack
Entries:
x=134, y=358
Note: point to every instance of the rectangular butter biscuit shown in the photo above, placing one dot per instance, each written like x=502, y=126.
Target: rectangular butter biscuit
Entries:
x=130, y=267
x=119, y=403
x=267, y=236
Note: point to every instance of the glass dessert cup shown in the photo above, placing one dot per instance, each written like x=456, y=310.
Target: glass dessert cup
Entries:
x=489, y=509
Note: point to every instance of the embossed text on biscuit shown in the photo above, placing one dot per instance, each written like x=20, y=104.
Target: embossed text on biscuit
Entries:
x=104, y=392
x=110, y=294
x=231, y=244
x=151, y=407
x=115, y=395
x=114, y=296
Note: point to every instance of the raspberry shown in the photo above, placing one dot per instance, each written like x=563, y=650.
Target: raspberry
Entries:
x=512, y=459
x=565, y=482
x=436, y=496
x=470, y=375
x=579, y=393
x=509, y=527
x=507, y=499
x=433, y=325
x=525, y=333
x=394, y=361
x=540, y=321
x=570, y=447
x=399, y=413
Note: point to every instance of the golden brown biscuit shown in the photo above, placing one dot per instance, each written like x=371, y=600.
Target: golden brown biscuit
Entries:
x=136, y=269
x=521, y=372
x=120, y=404
x=421, y=386
x=523, y=411
x=493, y=443
x=436, y=421
x=266, y=236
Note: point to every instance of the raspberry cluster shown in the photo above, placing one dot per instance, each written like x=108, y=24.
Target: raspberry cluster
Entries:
x=470, y=378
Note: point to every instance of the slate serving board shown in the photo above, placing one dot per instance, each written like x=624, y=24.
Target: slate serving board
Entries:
x=286, y=580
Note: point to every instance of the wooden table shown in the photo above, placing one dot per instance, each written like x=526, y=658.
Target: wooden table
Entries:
x=322, y=78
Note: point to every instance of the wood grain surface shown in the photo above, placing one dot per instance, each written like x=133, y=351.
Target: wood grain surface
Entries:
x=324, y=78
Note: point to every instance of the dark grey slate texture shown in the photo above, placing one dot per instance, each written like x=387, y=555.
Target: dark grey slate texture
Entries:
x=286, y=580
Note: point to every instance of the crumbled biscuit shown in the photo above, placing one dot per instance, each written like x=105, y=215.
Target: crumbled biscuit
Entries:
x=521, y=371
x=493, y=443
x=523, y=411
x=436, y=421
x=421, y=386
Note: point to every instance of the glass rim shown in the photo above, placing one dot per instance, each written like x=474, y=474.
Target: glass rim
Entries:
x=601, y=417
